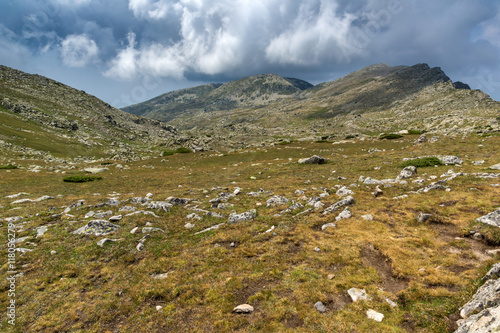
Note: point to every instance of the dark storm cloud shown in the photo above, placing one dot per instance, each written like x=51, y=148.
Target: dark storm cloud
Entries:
x=123, y=46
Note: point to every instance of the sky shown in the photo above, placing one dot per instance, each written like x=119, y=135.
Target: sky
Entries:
x=128, y=51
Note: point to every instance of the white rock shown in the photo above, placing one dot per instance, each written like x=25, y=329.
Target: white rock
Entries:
x=358, y=295
x=372, y=314
x=243, y=308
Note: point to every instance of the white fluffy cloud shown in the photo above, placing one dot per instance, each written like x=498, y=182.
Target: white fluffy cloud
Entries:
x=149, y=8
x=78, y=50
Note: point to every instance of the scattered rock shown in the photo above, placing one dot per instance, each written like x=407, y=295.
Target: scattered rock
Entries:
x=165, y=206
x=320, y=307
x=484, y=322
x=97, y=228
x=492, y=218
x=246, y=216
x=330, y=276
x=315, y=159
x=495, y=167
x=115, y=218
x=344, y=202
x=89, y=214
x=367, y=217
x=214, y=227
x=493, y=273
x=160, y=276
x=328, y=225
x=95, y=170
x=486, y=296
x=450, y=159
x=478, y=163
x=372, y=314
x=113, y=202
x=344, y=191
x=41, y=230
x=421, y=139
x=407, y=172
x=178, y=201
x=423, y=217
x=358, y=295
x=105, y=240
x=147, y=230
x=377, y=192
x=134, y=230
x=293, y=207
x=103, y=214
x=243, y=308
x=345, y=214
x=276, y=201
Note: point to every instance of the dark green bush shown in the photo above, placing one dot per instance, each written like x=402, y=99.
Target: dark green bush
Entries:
x=8, y=166
x=350, y=137
x=415, y=132
x=391, y=136
x=322, y=141
x=422, y=162
x=80, y=178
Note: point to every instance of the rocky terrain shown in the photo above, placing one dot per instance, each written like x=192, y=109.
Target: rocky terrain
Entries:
x=110, y=226
x=375, y=99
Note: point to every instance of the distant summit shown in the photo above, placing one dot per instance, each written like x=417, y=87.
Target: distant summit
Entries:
x=249, y=92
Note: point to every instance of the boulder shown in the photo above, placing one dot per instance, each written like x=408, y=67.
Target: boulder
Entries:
x=484, y=322
x=495, y=167
x=485, y=297
x=344, y=202
x=315, y=159
x=276, y=201
x=345, y=214
x=421, y=139
x=450, y=159
x=246, y=216
x=407, y=172
x=492, y=218
x=165, y=206
x=344, y=191
x=97, y=228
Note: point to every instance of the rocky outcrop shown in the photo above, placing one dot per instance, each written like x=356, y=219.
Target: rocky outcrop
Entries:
x=315, y=159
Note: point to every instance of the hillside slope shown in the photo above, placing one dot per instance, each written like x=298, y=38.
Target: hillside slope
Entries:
x=43, y=116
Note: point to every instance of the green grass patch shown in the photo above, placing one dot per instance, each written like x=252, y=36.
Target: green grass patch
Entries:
x=391, y=136
x=8, y=166
x=80, y=179
x=181, y=150
x=415, y=132
x=422, y=162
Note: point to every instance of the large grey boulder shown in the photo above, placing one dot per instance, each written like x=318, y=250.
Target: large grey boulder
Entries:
x=246, y=216
x=486, y=321
x=485, y=297
x=276, y=200
x=315, y=159
x=450, y=159
x=495, y=167
x=97, y=228
x=492, y=218
x=407, y=172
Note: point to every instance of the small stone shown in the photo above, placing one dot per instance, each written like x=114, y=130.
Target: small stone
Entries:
x=53, y=252
x=390, y=302
x=331, y=276
x=377, y=192
x=477, y=236
x=243, y=308
x=345, y=214
x=115, y=218
x=160, y=276
x=367, y=217
x=317, y=249
x=232, y=244
x=423, y=217
x=133, y=231
x=140, y=246
x=41, y=230
x=189, y=225
x=89, y=214
x=372, y=314
x=148, y=230
x=315, y=159
x=358, y=295
x=159, y=307
x=328, y=225
x=320, y=307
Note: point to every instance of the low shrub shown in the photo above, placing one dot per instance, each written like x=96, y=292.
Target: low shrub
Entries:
x=80, y=178
x=8, y=166
x=350, y=137
x=390, y=136
x=415, y=132
x=422, y=162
